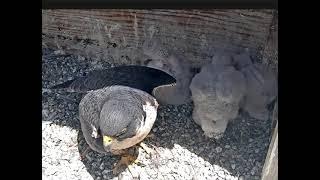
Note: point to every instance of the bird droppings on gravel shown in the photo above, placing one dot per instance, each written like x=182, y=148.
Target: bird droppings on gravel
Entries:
x=180, y=150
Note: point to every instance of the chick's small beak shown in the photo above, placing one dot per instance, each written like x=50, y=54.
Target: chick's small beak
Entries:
x=107, y=140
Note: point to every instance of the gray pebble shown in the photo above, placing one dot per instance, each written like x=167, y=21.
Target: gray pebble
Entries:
x=101, y=167
x=81, y=58
x=106, y=171
x=88, y=157
x=155, y=129
x=218, y=149
x=221, y=173
x=45, y=112
x=252, y=173
x=201, y=149
x=59, y=52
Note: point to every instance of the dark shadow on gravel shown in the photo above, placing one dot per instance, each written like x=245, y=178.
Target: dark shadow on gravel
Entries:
x=241, y=151
x=96, y=163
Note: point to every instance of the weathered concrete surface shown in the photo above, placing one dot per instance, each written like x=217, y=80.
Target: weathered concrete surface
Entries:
x=117, y=35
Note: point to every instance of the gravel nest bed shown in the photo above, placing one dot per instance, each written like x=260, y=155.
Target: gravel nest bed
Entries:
x=181, y=151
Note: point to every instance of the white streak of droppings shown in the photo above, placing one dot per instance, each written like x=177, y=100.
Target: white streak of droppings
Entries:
x=56, y=42
x=190, y=16
x=99, y=33
x=107, y=31
x=204, y=42
x=113, y=27
x=124, y=41
x=151, y=30
x=135, y=27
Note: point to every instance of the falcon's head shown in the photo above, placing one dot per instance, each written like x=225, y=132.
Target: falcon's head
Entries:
x=126, y=119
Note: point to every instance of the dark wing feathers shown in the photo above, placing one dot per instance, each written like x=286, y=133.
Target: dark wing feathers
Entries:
x=139, y=77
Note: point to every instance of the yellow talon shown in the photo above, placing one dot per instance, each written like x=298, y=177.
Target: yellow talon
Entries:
x=125, y=161
x=139, y=163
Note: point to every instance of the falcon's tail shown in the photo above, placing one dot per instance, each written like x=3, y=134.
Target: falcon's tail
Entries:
x=74, y=85
x=64, y=85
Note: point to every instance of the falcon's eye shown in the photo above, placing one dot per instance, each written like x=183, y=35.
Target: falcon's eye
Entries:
x=122, y=132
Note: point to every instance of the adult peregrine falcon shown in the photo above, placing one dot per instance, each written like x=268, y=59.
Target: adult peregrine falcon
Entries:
x=116, y=117
x=118, y=110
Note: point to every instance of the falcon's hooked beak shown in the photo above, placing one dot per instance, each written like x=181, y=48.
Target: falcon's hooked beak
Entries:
x=107, y=141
